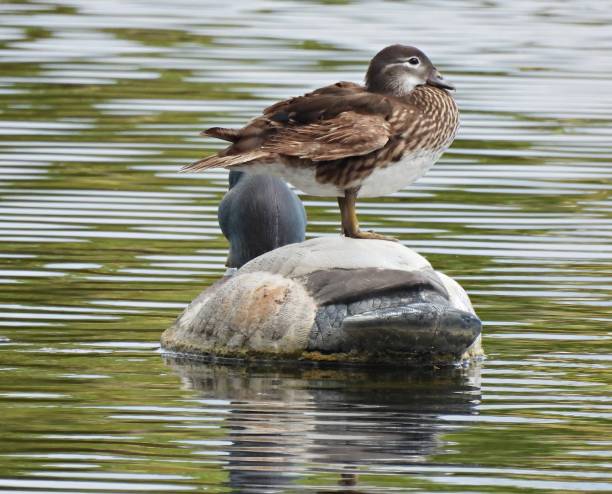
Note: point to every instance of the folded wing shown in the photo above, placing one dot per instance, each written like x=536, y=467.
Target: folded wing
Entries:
x=347, y=134
x=328, y=124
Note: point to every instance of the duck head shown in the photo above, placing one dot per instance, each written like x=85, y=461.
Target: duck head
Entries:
x=398, y=69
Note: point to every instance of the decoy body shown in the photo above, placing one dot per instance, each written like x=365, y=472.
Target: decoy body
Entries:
x=333, y=299
x=346, y=140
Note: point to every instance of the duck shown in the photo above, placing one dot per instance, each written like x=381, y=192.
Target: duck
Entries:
x=348, y=140
x=327, y=299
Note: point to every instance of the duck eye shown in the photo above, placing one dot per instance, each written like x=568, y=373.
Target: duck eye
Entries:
x=413, y=61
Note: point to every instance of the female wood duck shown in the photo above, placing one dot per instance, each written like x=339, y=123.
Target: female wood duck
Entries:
x=346, y=140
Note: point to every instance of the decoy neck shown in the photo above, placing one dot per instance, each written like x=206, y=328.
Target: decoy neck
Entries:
x=234, y=178
x=258, y=214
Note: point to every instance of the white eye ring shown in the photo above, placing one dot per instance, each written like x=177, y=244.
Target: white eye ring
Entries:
x=414, y=61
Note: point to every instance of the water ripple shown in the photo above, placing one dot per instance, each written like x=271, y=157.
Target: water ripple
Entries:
x=103, y=241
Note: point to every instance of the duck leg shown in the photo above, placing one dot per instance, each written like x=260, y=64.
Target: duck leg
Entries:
x=350, y=224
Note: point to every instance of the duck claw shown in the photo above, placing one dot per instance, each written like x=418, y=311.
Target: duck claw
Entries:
x=370, y=235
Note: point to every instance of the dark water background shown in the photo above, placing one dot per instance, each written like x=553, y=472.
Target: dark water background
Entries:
x=102, y=243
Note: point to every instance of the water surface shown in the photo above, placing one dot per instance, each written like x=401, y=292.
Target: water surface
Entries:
x=102, y=242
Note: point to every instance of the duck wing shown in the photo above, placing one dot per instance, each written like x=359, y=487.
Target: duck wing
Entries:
x=330, y=123
x=347, y=134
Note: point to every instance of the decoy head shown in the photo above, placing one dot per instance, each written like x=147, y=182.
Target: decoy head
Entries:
x=398, y=69
x=258, y=214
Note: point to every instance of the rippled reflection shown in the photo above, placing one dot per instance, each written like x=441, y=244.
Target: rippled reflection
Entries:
x=282, y=426
x=102, y=242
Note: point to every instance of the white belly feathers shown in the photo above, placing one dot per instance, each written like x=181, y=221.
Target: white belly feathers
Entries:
x=382, y=181
x=396, y=176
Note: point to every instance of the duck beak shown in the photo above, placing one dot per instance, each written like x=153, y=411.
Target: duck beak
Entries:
x=436, y=79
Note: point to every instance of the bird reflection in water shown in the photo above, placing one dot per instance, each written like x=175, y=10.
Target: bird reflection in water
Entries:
x=293, y=424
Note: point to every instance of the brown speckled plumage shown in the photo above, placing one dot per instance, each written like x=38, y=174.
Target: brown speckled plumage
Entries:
x=428, y=120
x=344, y=132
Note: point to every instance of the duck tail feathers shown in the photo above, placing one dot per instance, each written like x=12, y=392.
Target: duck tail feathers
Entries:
x=223, y=161
x=231, y=135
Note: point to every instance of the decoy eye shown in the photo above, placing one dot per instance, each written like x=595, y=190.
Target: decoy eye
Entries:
x=414, y=61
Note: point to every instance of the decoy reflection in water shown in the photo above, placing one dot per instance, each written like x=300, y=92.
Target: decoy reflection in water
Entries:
x=301, y=421
x=346, y=140
x=258, y=214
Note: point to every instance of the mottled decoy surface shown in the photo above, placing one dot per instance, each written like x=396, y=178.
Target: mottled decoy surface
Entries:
x=332, y=299
x=103, y=242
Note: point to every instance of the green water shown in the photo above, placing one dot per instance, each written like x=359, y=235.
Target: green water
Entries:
x=102, y=242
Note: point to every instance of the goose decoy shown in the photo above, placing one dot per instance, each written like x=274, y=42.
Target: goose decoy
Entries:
x=331, y=299
x=345, y=139
x=259, y=213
